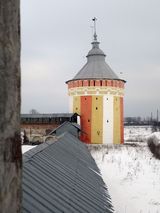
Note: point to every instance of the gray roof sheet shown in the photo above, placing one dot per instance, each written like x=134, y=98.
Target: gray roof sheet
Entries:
x=65, y=123
x=96, y=69
x=76, y=125
x=96, y=66
x=51, y=115
x=63, y=177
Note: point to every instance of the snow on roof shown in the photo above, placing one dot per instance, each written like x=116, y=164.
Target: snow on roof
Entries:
x=26, y=148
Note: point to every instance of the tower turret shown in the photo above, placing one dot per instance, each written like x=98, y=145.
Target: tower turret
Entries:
x=96, y=94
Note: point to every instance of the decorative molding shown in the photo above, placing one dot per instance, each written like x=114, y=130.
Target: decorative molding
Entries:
x=80, y=91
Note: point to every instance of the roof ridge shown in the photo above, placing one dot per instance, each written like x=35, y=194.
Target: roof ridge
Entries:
x=27, y=156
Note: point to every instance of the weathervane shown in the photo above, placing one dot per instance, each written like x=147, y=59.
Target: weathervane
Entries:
x=95, y=35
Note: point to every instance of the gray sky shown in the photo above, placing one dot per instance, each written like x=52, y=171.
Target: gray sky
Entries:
x=56, y=37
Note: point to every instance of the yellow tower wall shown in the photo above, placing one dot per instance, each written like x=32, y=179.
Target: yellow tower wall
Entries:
x=97, y=120
x=77, y=104
x=116, y=121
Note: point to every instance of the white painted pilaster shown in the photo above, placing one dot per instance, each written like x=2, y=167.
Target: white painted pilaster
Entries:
x=107, y=119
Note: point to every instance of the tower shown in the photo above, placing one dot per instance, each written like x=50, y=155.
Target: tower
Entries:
x=96, y=94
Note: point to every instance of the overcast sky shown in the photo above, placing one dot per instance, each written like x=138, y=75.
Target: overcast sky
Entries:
x=56, y=37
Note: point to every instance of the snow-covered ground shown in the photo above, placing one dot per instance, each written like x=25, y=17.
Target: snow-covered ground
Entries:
x=131, y=173
x=136, y=133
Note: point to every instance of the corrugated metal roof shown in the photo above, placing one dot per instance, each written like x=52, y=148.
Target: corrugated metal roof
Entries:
x=96, y=69
x=76, y=125
x=65, y=123
x=52, y=115
x=95, y=49
x=96, y=66
x=63, y=177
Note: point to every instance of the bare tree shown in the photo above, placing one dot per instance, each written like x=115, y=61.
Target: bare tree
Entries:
x=33, y=112
x=10, y=147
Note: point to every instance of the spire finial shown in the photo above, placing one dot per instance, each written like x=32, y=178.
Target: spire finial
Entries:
x=95, y=34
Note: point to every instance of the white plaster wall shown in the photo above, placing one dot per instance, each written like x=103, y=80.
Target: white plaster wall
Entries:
x=107, y=115
x=78, y=120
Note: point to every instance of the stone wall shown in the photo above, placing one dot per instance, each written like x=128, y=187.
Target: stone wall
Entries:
x=41, y=130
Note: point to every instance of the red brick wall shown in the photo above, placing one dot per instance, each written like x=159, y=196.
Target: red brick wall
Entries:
x=85, y=83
